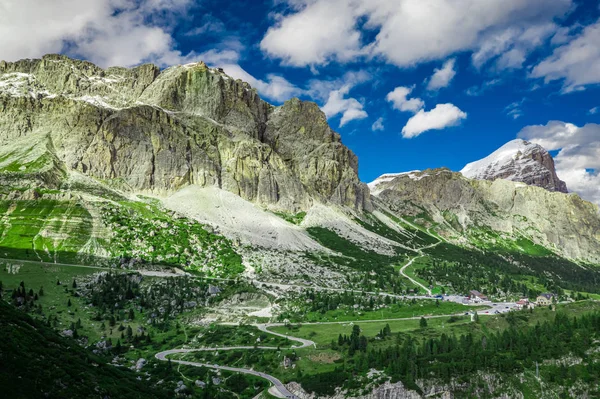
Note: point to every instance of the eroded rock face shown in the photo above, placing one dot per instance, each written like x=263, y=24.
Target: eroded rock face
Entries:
x=520, y=161
x=155, y=132
x=563, y=222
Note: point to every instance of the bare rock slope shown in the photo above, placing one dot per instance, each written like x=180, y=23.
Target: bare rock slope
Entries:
x=152, y=131
x=460, y=208
x=520, y=161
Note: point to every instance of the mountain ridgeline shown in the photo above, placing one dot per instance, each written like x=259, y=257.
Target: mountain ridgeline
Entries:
x=149, y=174
x=149, y=131
x=105, y=162
x=519, y=161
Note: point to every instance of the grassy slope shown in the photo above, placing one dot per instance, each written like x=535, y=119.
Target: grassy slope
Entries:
x=36, y=362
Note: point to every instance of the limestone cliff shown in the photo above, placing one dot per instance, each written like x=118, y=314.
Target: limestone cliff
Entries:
x=459, y=206
x=152, y=131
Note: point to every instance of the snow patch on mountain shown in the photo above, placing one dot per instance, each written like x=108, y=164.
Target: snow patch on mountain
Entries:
x=520, y=161
x=373, y=186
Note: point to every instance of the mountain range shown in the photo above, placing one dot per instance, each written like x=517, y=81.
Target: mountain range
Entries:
x=187, y=169
x=69, y=129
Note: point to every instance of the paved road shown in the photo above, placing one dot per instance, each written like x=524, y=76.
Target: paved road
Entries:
x=420, y=254
x=283, y=391
x=276, y=383
x=412, y=280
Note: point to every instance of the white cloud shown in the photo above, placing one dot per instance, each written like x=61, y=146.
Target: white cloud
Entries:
x=442, y=116
x=594, y=111
x=319, y=32
x=576, y=63
x=349, y=108
x=400, y=101
x=106, y=32
x=441, y=77
x=320, y=88
x=407, y=32
x=509, y=47
x=479, y=90
x=514, y=109
x=209, y=24
x=275, y=87
x=332, y=93
x=578, y=159
x=378, y=125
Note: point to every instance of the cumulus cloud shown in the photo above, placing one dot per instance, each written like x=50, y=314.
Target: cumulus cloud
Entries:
x=407, y=32
x=442, y=116
x=578, y=159
x=441, y=77
x=349, y=108
x=318, y=33
x=378, y=125
x=275, y=87
x=575, y=63
x=400, y=101
x=106, y=32
x=510, y=47
x=320, y=88
x=333, y=94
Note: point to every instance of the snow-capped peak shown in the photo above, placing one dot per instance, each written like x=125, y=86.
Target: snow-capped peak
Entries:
x=518, y=160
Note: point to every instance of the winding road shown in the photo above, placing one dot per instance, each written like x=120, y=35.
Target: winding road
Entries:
x=277, y=384
x=420, y=254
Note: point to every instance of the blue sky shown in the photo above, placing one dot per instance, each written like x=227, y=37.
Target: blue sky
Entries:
x=408, y=84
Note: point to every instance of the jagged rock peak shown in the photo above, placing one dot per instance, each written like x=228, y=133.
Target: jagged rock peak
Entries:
x=520, y=161
x=156, y=131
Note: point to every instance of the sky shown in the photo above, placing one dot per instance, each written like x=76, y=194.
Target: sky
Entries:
x=409, y=84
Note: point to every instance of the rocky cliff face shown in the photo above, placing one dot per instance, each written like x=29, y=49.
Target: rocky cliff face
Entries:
x=564, y=223
x=519, y=161
x=152, y=131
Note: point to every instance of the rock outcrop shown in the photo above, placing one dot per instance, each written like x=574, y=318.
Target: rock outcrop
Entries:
x=151, y=131
x=564, y=223
x=519, y=161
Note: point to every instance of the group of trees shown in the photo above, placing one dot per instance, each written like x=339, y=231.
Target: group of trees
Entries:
x=116, y=295
x=26, y=299
x=466, y=269
x=509, y=351
x=355, y=342
x=362, y=262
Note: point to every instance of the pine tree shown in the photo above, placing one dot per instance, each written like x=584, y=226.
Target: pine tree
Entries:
x=74, y=284
x=69, y=302
x=423, y=322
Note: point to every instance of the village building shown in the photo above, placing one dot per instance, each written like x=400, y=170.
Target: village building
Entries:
x=544, y=299
x=525, y=304
x=477, y=297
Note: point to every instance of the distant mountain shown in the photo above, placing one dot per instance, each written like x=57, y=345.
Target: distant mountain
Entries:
x=519, y=161
x=485, y=213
